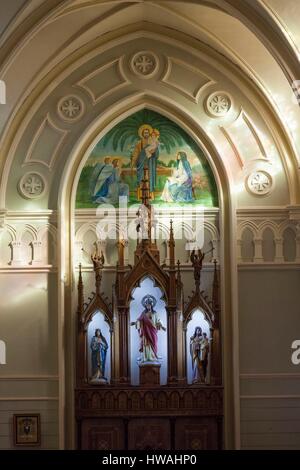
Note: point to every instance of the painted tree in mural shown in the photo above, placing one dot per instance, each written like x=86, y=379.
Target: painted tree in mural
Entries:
x=124, y=134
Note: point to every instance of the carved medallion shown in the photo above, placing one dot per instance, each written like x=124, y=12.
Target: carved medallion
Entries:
x=259, y=183
x=218, y=104
x=70, y=108
x=144, y=64
x=32, y=185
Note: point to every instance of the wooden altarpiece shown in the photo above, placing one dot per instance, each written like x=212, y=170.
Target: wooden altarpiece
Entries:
x=149, y=416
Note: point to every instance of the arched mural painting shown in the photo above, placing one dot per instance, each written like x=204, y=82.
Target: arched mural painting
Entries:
x=178, y=170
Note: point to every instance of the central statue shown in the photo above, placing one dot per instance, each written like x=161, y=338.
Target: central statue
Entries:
x=148, y=324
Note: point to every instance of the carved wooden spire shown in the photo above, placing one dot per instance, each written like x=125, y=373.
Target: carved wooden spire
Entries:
x=121, y=249
x=171, y=246
x=146, y=188
x=145, y=222
x=178, y=272
x=179, y=286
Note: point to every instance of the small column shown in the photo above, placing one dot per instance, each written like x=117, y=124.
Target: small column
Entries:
x=279, y=258
x=82, y=372
x=124, y=345
x=297, y=259
x=189, y=246
x=16, y=259
x=37, y=253
x=172, y=346
x=258, y=256
x=239, y=251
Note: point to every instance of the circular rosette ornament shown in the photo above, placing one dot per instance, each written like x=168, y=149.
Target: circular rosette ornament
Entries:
x=259, y=183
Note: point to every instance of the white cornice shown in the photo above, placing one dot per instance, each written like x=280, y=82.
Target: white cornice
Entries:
x=26, y=269
x=267, y=376
x=268, y=212
x=286, y=266
x=42, y=215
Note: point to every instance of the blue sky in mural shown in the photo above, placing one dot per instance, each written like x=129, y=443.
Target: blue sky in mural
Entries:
x=179, y=173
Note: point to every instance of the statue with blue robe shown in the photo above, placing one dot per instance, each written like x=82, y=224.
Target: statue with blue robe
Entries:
x=99, y=349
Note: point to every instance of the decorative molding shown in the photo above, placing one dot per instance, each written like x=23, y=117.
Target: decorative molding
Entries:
x=34, y=152
x=198, y=81
x=184, y=267
x=44, y=215
x=70, y=108
x=263, y=212
x=268, y=397
x=254, y=132
x=259, y=183
x=233, y=146
x=242, y=125
x=82, y=214
x=32, y=185
x=3, y=214
x=144, y=64
x=31, y=378
x=42, y=235
x=27, y=268
x=105, y=84
x=29, y=398
x=218, y=104
x=276, y=375
x=284, y=266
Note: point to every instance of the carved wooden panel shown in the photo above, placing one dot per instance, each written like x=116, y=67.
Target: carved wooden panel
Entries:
x=196, y=434
x=150, y=375
x=149, y=434
x=103, y=434
x=192, y=401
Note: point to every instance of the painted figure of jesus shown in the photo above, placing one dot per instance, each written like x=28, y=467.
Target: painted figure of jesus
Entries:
x=148, y=324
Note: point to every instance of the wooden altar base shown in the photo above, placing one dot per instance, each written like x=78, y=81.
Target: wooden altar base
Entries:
x=152, y=418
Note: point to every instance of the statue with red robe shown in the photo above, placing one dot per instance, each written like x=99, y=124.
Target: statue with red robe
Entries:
x=148, y=324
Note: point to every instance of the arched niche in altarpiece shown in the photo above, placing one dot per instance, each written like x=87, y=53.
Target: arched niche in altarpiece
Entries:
x=148, y=288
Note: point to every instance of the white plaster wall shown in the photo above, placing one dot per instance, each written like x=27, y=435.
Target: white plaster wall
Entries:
x=29, y=380
x=270, y=384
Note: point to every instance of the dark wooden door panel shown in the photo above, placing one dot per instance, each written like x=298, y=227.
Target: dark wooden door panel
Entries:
x=196, y=434
x=149, y=434
x=103, y=434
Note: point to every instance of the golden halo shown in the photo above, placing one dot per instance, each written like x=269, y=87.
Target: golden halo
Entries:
x=142, y=128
